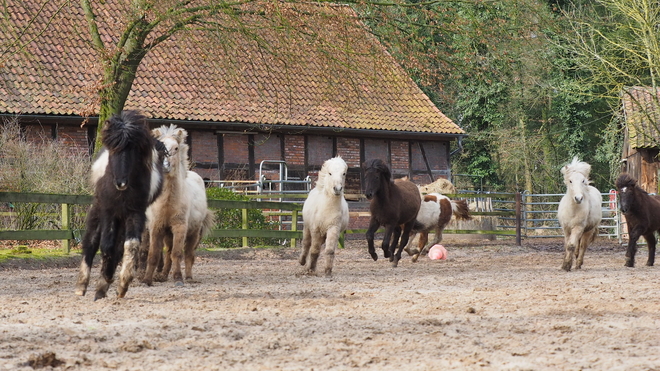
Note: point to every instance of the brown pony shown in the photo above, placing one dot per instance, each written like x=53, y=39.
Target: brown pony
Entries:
x=642, y=213
x=435, y=213
x=394, y=204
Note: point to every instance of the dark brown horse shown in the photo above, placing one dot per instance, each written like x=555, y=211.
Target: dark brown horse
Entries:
x=642, y=213
x=394, y=204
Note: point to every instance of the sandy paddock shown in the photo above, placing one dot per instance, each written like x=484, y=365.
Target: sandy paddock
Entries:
x=492, y=305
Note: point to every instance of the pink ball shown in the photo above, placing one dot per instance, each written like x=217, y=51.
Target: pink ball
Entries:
x=438, y=252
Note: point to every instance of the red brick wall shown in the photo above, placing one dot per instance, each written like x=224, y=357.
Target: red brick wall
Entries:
x=235, y=148
x=400, y=157
x=38, y=133
x=204, y=147
x=267, y=147
x=349, y=150
x=294, y=150
x=74, y=136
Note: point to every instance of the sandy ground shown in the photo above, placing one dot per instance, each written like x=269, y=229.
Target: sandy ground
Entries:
x=492, y=305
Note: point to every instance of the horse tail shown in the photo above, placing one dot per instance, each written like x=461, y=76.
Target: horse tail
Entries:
x=208, y=223
x=460, y=209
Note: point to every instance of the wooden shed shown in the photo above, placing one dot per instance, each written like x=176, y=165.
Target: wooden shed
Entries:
x=641, y=113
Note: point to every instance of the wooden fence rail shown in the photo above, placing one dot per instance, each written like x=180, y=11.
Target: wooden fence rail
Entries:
x=68, y=235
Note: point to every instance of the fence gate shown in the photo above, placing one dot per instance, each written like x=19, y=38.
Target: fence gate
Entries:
x=539, y=215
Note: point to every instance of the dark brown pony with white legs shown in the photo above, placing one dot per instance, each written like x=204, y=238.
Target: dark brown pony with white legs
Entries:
x=642, y=212
x=394, y=205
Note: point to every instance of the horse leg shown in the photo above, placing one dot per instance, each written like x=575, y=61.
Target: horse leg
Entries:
x=131, y=246
x=571, y=241
x=632, y=246
x=165, y=259
x=110, y=253
x=404, y=241
x=142, y=255
x=650, y=239
x=90, y=246
x=408, y=249
x=373, y=227
x=395, y=241
x=156, y=235
x=437, y=238
x=586, y=239
x=134, y=229
x=306, y=244
x=314, y=252
x=423, y=238
x=189, y=252
x=389, y=230
x=178, y=240
x=331, y=242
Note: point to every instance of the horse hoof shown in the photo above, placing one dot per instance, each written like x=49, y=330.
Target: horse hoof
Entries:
x=81, y=292
x=99, y=295
x=178, y=283
x=566, y=267
x=374, y=256
x=650, y=264
x=629, y=264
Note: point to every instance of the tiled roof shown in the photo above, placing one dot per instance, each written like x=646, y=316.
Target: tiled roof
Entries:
x=641, y=108
x=230, y=81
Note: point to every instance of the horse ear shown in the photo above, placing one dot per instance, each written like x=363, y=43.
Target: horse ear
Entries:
x=564, y=169
x=181, y=135
x=156, y=132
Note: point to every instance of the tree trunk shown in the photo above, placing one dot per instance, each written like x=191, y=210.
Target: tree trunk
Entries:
x=113, y=96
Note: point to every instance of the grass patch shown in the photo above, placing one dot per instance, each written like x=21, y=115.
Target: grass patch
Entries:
x=25, y=252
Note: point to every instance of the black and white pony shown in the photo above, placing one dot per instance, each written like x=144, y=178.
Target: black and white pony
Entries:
x=127, y=177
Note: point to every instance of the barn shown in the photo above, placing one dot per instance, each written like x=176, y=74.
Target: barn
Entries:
x=248, y=112
x=641, y=114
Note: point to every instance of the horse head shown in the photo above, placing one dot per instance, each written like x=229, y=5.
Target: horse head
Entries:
x=176, y=149
x=376, y=176
x=576, y=178
x=333, y=176
x=627, y=187
x=127, y=140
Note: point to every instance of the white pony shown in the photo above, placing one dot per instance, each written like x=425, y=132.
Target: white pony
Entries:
x=179, y=217
x=579, y=212
x=325, y=215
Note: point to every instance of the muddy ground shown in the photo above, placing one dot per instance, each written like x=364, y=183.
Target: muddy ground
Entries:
x=491, y=305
